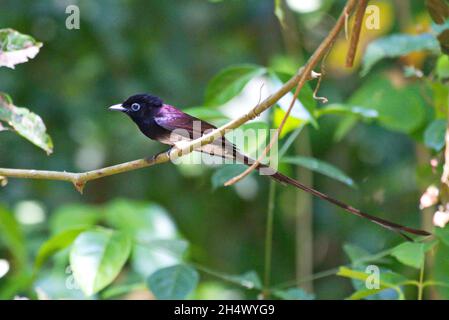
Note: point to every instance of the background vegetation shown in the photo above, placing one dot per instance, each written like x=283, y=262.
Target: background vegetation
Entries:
x=174, y=231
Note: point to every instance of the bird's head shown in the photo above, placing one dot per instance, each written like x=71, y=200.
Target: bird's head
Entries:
x=138, y=106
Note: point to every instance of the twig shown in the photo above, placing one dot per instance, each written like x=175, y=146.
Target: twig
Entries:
x=80, y=179
x=308, y=69
x=355, y=35
x=320, y=79
x=315, y=92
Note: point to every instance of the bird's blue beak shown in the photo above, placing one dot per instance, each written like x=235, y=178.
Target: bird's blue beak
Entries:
x=117, y=107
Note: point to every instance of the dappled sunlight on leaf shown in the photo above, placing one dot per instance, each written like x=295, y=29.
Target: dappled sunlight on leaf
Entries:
x=24, y=122
x=16, y=48
x=321, y=167
x=397, y=45
x=96, y=258
x=401, y=109
x=230, y=82
x=175, y=282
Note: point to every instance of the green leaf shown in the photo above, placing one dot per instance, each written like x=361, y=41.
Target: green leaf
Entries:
x=121, y=290
x=279, y=12
x=321, y=167
x=348, y=110
x=401, y=109
x=96, y=258
x=174, y=283
x=442, y=67
x=16, y=48
x=434, y=136
x=14, y=283
x=410, y=253
x=387, y=279
x=25, y=123
x=74, y=216
x=157, y=242
x=352, y=274
x=55, y=244
x=293, y=294
x=230, y=82
x=344, y=126
x=146, y=221
x=440, y=93
x=392, y=278
x=359, y=257
x=397, y=45
x=305, y=105
x=364, y=293
x=441, y=268
x=12, y=236
x=248, y=280
x=150, y=256
x=355, y=253
x=443, y=234
x=290, y=125
x=226, y=172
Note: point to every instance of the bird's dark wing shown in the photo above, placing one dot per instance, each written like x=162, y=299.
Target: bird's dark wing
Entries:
x=171, y=119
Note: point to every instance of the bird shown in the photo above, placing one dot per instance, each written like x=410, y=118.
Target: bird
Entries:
x=169, y=125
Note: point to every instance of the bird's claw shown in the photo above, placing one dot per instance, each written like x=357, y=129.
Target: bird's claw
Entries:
x=154, y=157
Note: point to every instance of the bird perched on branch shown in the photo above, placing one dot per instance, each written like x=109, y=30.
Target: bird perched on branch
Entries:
x=171, y=126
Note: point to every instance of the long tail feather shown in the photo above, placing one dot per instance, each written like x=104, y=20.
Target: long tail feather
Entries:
x=400, y=229
x=382, y=222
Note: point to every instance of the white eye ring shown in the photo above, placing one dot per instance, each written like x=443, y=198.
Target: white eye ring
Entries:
x=135, y=107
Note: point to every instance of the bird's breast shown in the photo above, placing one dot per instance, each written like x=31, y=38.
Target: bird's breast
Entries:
x=152, y=130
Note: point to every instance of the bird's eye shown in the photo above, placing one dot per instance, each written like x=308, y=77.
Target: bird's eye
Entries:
x=135, y=107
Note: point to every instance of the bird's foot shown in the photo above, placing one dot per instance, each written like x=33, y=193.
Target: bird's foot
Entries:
x=167, y=152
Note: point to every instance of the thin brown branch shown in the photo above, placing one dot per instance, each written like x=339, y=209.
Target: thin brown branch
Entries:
x=80, y=179
x=316, y=57
x=355, y=35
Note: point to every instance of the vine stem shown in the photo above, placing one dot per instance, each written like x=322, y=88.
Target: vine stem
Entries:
x=421, y=281
x=269, y=239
